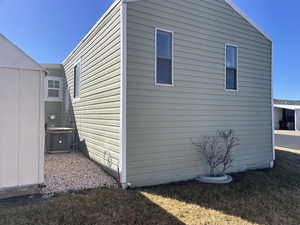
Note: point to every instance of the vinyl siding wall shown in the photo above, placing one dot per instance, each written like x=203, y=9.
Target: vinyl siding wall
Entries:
x=162, y=120
x=97, y=113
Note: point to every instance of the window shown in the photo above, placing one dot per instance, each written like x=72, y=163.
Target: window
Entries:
x=53, y=89
x=67, y=100
x=164, y=57
x=77, y=80
x=231, y=67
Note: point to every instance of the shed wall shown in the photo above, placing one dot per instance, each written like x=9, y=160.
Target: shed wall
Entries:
x=21, y=133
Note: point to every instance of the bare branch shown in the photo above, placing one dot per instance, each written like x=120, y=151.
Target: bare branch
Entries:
x=217, y=150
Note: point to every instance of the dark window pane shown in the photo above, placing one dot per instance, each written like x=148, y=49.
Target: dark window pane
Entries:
x=75, y=86
x=53, y=93
x=290, y=115
x=164, y=71
x=164, y=44
x=56, y=84
x=76, y=81
x=231, y=79
x=231, y=56
x=50, y=84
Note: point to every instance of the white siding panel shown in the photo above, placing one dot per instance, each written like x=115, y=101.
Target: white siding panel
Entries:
x=297, y=119
x=22, y=128
x=9, y=152
x=29, y=111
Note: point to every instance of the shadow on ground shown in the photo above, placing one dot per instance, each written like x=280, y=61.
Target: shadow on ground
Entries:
x=96, y=207
x=262, y=197
x=258, y=197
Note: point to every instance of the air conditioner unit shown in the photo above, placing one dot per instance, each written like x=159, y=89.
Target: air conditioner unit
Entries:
x=59, y=140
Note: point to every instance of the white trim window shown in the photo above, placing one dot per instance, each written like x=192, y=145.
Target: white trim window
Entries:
x=231, y=67
x=54, y=89
x=77, y=74
x=163, y=57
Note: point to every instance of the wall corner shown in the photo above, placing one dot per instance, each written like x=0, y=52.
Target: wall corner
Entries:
x=123, y=95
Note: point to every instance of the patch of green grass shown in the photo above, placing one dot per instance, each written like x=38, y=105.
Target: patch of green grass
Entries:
x=258, y=197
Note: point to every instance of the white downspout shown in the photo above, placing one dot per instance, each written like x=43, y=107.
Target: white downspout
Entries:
x=123, y=96
x=272, y=102
x=295, y=119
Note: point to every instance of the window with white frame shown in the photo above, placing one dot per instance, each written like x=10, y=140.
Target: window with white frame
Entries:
x=231, y=70
x=77, y=81
x=67, y=100
x=164, y=57
x=54, y=89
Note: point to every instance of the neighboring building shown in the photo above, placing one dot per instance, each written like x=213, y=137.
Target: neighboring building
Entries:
x=22, y=120
x=151, y=75
x=286, y=114
x=56, y=96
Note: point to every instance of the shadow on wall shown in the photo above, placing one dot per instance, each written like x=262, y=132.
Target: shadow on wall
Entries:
x=255, y=196
x=80, y=144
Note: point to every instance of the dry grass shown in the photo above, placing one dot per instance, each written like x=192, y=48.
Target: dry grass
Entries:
x=288, y=132
x=259, y=197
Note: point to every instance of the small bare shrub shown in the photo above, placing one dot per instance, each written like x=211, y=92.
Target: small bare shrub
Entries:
x=217, y=151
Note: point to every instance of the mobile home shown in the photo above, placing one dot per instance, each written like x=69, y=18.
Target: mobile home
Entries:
x=151, y=75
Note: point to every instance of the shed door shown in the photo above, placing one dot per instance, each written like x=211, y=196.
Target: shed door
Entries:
x=19, y=133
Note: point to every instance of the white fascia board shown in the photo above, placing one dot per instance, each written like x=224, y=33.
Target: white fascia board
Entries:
x=128, y=1
x=249, y=20
x=93, y=28
x=291, y=107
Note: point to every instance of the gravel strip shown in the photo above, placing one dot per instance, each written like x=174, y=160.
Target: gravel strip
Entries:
x=72, y=172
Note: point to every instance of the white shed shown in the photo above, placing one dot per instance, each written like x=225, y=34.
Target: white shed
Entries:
x=21, y=119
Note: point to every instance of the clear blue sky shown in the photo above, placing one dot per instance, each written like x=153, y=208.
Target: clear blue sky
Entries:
x=49, y=29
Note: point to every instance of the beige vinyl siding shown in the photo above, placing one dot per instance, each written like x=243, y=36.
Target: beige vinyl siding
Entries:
x=162, y=120
x=97, y=113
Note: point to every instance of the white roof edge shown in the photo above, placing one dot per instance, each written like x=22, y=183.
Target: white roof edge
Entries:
x=246, y=17
x=20, y=50
x=93, y=28
x=293, y=107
